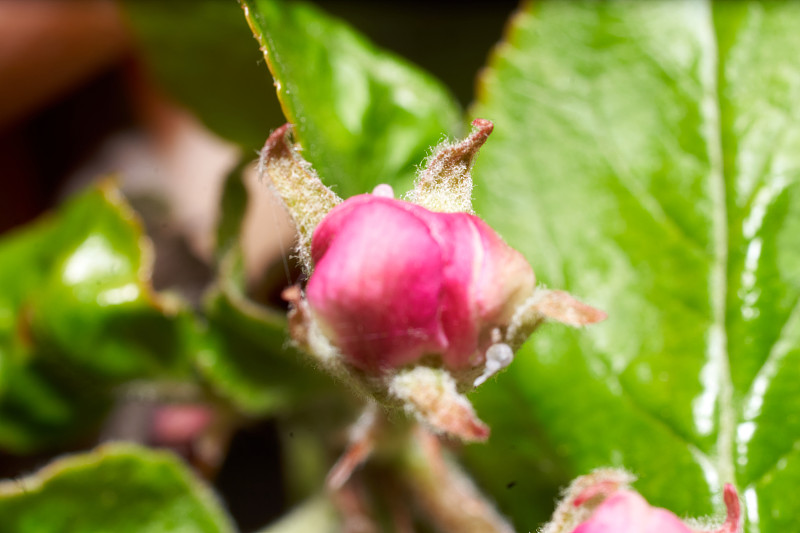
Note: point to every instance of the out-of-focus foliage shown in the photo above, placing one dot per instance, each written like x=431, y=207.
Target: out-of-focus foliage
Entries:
x=121, y=488
x=645, y=157
x=79, y=316
x=201, y=52
x=249, y=361
x=334, y=86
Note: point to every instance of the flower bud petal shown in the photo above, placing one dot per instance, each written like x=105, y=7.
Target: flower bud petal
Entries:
x=376, y=283
x=394, y=282
x=602, y=502
x=626, y=511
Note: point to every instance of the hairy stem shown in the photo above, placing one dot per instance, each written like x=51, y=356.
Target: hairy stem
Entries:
x=444, y=492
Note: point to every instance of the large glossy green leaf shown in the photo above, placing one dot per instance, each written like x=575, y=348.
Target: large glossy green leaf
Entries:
x=78, y=316
x=120, y=488
x=201, y=52
x=362, y=116
x=646, y=157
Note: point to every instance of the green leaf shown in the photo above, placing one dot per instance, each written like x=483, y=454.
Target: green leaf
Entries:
x=95, y=302
x=202, y=54
x=317, y=514
x=77, y=316
x=120, y=488
x=243, y=350
x=249, y=360
x=233, y=206
x=645, y=157
x=362, y=116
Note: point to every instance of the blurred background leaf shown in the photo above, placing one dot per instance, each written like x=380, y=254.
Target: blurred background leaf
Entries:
x=247, y=357
x=362, y=115
x=250, y=361
x=202, y=54
x=120, y=487
x=645, y=158
x=80, y=317
x=317, y=514
x=95, y=299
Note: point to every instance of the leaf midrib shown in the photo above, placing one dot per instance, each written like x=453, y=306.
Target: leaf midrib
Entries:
x=718, y=336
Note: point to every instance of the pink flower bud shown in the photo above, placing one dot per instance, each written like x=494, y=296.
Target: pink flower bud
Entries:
x=601, y=502
x=394, y=282
x=626, y=511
